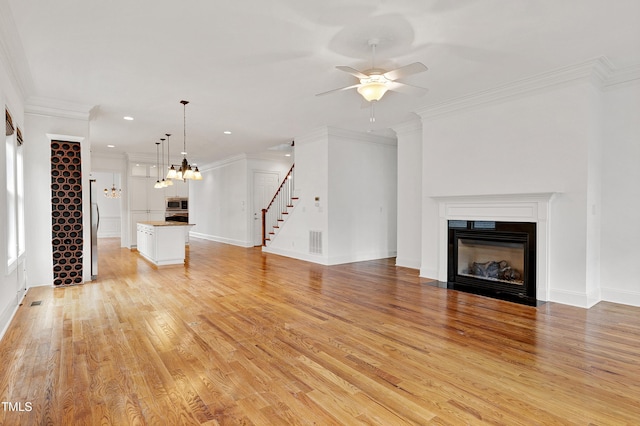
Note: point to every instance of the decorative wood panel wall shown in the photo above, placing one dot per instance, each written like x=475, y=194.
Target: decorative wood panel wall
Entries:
x=66, y=213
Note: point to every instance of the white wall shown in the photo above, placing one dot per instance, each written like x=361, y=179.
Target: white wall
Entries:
x=346, y=184
x=278, y=164
x=215, y=203
x=409, y=194
x=220, y=204
x=311, y=212
x=38, y=189
x=529, y=144
x=362, y=197
x=12, y=282
x=576, y=134
x=110, y=208
x=109, y=165
x=621, y=194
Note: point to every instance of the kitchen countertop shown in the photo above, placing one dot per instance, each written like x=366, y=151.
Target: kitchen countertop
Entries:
x=164, y=223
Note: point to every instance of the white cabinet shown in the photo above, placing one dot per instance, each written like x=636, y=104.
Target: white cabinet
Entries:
x=146, y=203
x=145, y=237
x=159, y=242
x=178, y=189
x=142, y=216
x=143, y=196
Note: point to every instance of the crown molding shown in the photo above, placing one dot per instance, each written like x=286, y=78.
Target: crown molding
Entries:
x=58, y=108
x=109, y=155
x=597, y=71
x=362, y=137
x=223, y=162
x=411, y=126
x=140, y=158
x=269, y=156
x=315, y=135
x=12, y=52
x=65, y=138
x=623, y=75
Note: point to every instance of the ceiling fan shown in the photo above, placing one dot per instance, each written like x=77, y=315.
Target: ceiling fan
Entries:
x=375, y=82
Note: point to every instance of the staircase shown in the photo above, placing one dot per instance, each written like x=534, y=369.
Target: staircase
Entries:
x=274, y=216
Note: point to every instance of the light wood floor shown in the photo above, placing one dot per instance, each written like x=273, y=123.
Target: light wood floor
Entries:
x=241, y=337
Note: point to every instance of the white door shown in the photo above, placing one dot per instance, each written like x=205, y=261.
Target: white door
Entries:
x=265, y=185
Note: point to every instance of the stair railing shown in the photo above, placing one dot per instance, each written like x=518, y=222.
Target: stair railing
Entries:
x=273, y=215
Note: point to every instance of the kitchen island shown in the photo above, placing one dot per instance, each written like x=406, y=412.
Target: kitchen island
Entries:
x=163, y=243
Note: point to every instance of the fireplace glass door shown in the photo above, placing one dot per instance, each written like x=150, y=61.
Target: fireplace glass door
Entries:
x=491, y=260
x=496, y=259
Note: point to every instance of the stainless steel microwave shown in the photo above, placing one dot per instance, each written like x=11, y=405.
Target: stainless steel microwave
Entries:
x=177, y=204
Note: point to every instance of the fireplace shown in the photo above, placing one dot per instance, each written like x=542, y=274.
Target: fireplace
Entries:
x=495, y=259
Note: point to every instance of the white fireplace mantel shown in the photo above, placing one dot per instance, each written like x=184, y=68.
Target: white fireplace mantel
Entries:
x=528, y=207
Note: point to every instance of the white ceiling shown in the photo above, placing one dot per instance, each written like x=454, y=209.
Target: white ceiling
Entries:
x=253, y=67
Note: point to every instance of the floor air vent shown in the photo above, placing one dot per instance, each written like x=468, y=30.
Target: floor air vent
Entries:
x=36, y=303
x=315, y=242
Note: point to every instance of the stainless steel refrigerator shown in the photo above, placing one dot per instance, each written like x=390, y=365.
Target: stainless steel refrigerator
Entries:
x=95, y=222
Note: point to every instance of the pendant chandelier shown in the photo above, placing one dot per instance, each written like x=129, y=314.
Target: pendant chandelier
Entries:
x=158, y=185
x=170, y=176
x=164, y=182
x=113, y=192
x=185, y=171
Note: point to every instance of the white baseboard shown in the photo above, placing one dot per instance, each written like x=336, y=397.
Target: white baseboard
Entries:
x=574, y=298
x=430, y=273
x=314, y=258
x=623, y=297
x=339, y=260
x=109, y=234
x=221, y=239
x=408, y=263
x=362, y=257
x=9, y=313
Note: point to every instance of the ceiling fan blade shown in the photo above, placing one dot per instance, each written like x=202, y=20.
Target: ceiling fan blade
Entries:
x=352, y=71
x=407, y=88
x=407, y=70
x=338, y=90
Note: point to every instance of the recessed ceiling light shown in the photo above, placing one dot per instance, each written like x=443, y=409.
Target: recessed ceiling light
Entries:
x=111, y=146
x=287, y=155
x=227, y=132
x=128, y=118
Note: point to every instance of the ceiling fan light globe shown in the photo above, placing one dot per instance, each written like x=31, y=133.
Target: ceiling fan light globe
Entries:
x=373, y=91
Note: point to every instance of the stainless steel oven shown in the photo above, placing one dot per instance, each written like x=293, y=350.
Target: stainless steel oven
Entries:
x=177, y=204
x=176, y=216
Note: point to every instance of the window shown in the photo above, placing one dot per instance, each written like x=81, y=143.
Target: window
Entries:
x=20, y=192
x=12, y=238
x=15, y=192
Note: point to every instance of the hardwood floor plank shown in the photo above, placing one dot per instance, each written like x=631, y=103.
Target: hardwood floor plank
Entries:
x=237, y=336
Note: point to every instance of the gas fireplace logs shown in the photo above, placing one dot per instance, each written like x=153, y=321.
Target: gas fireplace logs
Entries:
x=494, y=270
